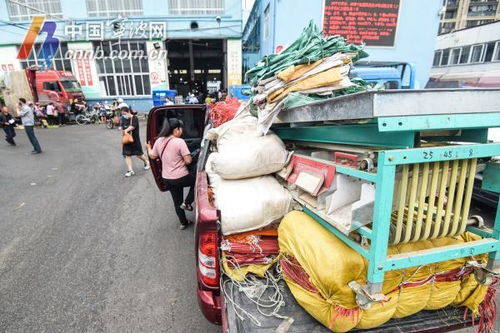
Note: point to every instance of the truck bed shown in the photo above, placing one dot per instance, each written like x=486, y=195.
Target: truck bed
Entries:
x=444, y=320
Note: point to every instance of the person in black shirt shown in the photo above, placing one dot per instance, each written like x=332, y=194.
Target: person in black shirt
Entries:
x=131, y=126
x=8, y=124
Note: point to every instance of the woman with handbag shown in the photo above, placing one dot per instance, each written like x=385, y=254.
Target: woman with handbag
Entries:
x=175, y=157
x=131, y=141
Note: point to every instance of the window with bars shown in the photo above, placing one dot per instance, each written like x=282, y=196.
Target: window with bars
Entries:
x=58, y=62
x=24, y=10
x=123, y=77
x=107, y=8
x=195, y=7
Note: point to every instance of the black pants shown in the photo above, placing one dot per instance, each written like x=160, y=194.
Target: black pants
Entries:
x=52, y=120
x=62, y=118
x=176, y=188
x=10, y=133
x=30, y=132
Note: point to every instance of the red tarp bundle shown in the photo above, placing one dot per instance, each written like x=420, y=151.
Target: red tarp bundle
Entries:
x=222, y=112
x=251, y=248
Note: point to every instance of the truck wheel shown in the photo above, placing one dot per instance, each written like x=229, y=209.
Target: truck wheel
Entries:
x=80, y=119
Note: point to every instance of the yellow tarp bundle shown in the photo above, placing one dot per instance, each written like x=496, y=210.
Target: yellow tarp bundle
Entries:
x=330, y=265
x=325, y=78
x=239, y=274
x=295, y=72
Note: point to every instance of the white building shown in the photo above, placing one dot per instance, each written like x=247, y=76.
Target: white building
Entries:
x=468, y=58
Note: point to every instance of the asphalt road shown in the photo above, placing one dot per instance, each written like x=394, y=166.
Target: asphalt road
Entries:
x=84, y=249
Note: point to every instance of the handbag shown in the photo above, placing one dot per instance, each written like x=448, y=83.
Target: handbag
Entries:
x=127, y=138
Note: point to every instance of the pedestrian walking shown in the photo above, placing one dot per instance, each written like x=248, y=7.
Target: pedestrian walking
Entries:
x=61, y=112
x=40, y=116
x=8, y=124
x=28, y=120
x=175, y=157
x=50, y=110
x=134, y=148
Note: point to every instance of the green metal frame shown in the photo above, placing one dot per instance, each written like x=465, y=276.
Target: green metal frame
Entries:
x=376, y=254
x=360, y=134
x=437, y=122
x=405, y=128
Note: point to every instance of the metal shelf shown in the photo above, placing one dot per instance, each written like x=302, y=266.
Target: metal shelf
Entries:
x=396, y=103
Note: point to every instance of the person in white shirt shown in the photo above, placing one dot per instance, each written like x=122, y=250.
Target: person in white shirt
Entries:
x=50, y=110
x=168, y=101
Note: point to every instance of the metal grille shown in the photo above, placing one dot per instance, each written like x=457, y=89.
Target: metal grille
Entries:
x=195, y=7
x=59, y=62
x=432, y=200
x=24, y=10
x=123, y=77
x=107, y=8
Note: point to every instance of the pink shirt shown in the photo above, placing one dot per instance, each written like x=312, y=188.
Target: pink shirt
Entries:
x=172, y=161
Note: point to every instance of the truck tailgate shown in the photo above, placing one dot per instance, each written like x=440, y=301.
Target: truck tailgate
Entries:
x=425, y=321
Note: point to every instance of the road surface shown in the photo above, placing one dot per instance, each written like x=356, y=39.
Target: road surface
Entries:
x=84, y=249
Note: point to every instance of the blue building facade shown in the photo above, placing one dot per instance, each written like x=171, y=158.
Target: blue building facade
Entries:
x=187, y=45
x=275, y=24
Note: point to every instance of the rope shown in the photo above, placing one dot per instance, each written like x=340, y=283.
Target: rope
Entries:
x=268, y=304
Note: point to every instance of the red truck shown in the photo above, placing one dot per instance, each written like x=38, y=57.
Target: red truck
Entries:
x=41, y=86
x=216, y=302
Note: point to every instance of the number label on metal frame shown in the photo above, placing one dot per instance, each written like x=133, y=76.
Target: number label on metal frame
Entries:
x=448, y=154
x=427, y=155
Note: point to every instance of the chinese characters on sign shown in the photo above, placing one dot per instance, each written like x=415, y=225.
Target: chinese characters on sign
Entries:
x=234, y=63
x=373, y=22
x=115, y=29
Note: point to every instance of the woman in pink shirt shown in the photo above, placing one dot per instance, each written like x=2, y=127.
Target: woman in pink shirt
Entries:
x=175, y=157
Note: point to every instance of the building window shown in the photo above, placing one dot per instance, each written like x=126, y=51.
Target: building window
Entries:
x=446, y=27
x=196, y=7
x=449, y=14
x=464, y=57
x=477, y=52
x=267, y=28
x=496, y=53
x=445, y=57
x=482, y=10
x=474, y=23
x=24, y=10
x=437, y=58
x=488, y=52
x=455, y=56
x=58, y=62
x=123, y=77
x=109, y=8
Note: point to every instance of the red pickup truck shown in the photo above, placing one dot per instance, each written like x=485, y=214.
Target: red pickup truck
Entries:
x=217, y=304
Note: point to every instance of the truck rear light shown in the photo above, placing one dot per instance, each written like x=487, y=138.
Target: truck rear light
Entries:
x=207, y=258
x=206, y=261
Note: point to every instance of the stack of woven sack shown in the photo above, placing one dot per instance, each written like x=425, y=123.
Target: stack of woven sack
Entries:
x=317, y=267
x=245, y=192
x=312, y=66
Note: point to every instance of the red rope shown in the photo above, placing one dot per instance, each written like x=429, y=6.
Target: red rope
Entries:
x=222, y=112
x=487, y=309
x=292, y=269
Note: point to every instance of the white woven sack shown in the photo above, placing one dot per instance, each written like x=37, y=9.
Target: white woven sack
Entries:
x=250, y=204
x=250, y=156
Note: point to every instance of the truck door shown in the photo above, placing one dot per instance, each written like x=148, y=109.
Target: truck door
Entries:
x=193, y=117
x=51, y=91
